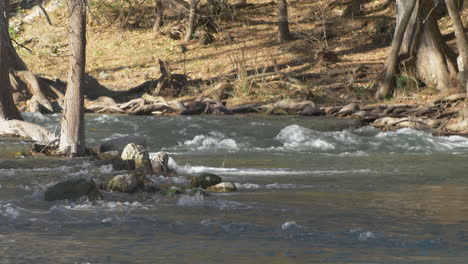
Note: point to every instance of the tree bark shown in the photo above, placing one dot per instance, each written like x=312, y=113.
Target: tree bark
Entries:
x=392, y=60
x=425, y=55
x=191, y=20
x=283, y=24
x=72, y=137
x=158, y=22
x=462, y=43
x=8, y=109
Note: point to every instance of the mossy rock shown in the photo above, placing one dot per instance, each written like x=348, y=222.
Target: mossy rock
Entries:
x=205, y=180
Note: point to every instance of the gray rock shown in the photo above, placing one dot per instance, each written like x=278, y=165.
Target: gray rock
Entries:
x=72, y=189
x=127, y=183
x=120, y=143
x=205, y=180
x=159, y=162
x=312, y=111
x=139, y=155
x=197, y=191
x=223, y=187
x=348, y=109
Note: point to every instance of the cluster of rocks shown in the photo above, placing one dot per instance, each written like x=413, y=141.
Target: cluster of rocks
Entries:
x=129, y=157
x=436, y=117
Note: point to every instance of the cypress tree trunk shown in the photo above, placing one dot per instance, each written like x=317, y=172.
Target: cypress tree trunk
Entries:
x=283, y=24
x=427, y=56
x=158, y=22
x=191, y=20
x=8, y=109
x=72, y=137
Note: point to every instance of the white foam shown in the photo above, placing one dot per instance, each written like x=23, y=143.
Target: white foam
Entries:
x=191, y=170
x=169, y=180
x=247, y=186
x=7, y=210
x=295, y=136
x=106, y=168
x=290, y=225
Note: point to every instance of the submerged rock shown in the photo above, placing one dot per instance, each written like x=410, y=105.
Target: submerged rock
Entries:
x=174, y=190
x=120, y=143
x=223, y=187
x=72, y=189
x=139, y=155
x=127, y=183
x=205, y=180
x=197, y=191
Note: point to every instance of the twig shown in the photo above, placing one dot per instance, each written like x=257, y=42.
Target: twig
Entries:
x=45, y=13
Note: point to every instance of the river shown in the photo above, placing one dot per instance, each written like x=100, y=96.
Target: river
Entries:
x=311, y=190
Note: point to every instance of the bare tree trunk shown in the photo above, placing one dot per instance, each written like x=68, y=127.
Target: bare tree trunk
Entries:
x=283, y=24
x=392, y=60
x=426, y=56
x=191, y=20
x=435, y=62
x=462, y=43
x=353, y=9
x=158, y=22
x=8, y=109
x=72, y=137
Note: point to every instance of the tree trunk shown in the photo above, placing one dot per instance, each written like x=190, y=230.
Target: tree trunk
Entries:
x=462, y=43
x=158, y=22
x=353, y=9
x=392, y=61
x=8, y=109
x=72, y=137
x=191, y=20
x=425, y=55
x=283, y=24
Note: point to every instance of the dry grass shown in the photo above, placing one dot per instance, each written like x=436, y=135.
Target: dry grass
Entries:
x=122, y=58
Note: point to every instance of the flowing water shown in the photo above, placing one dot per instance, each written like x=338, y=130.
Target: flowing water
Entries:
x=310, y=191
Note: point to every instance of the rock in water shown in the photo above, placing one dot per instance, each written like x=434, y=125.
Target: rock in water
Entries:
x=127, y=183
x=197, y=192
x=120, y=143
x=73, y=189
x=223, y=187
x=138, y=154
x=205, y=180
x=160, y=164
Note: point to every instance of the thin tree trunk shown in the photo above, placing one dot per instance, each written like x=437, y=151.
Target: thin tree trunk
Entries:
x=392, y=60
x=158, y=22
x=283, y=24
x=462, y=43
x=353, y=9
x=191, y=20
x=8, y=109
x=72, y=137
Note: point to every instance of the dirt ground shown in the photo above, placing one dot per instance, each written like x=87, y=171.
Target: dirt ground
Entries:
x=338, y=59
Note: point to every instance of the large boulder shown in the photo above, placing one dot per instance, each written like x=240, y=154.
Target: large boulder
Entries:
x=127, y=183
x=72, y=189
x=223, y=187
x=120, y=143
x=205, y=180
x=139, y=155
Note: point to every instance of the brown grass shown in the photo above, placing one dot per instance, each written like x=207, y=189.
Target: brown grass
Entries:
x=122, y=58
